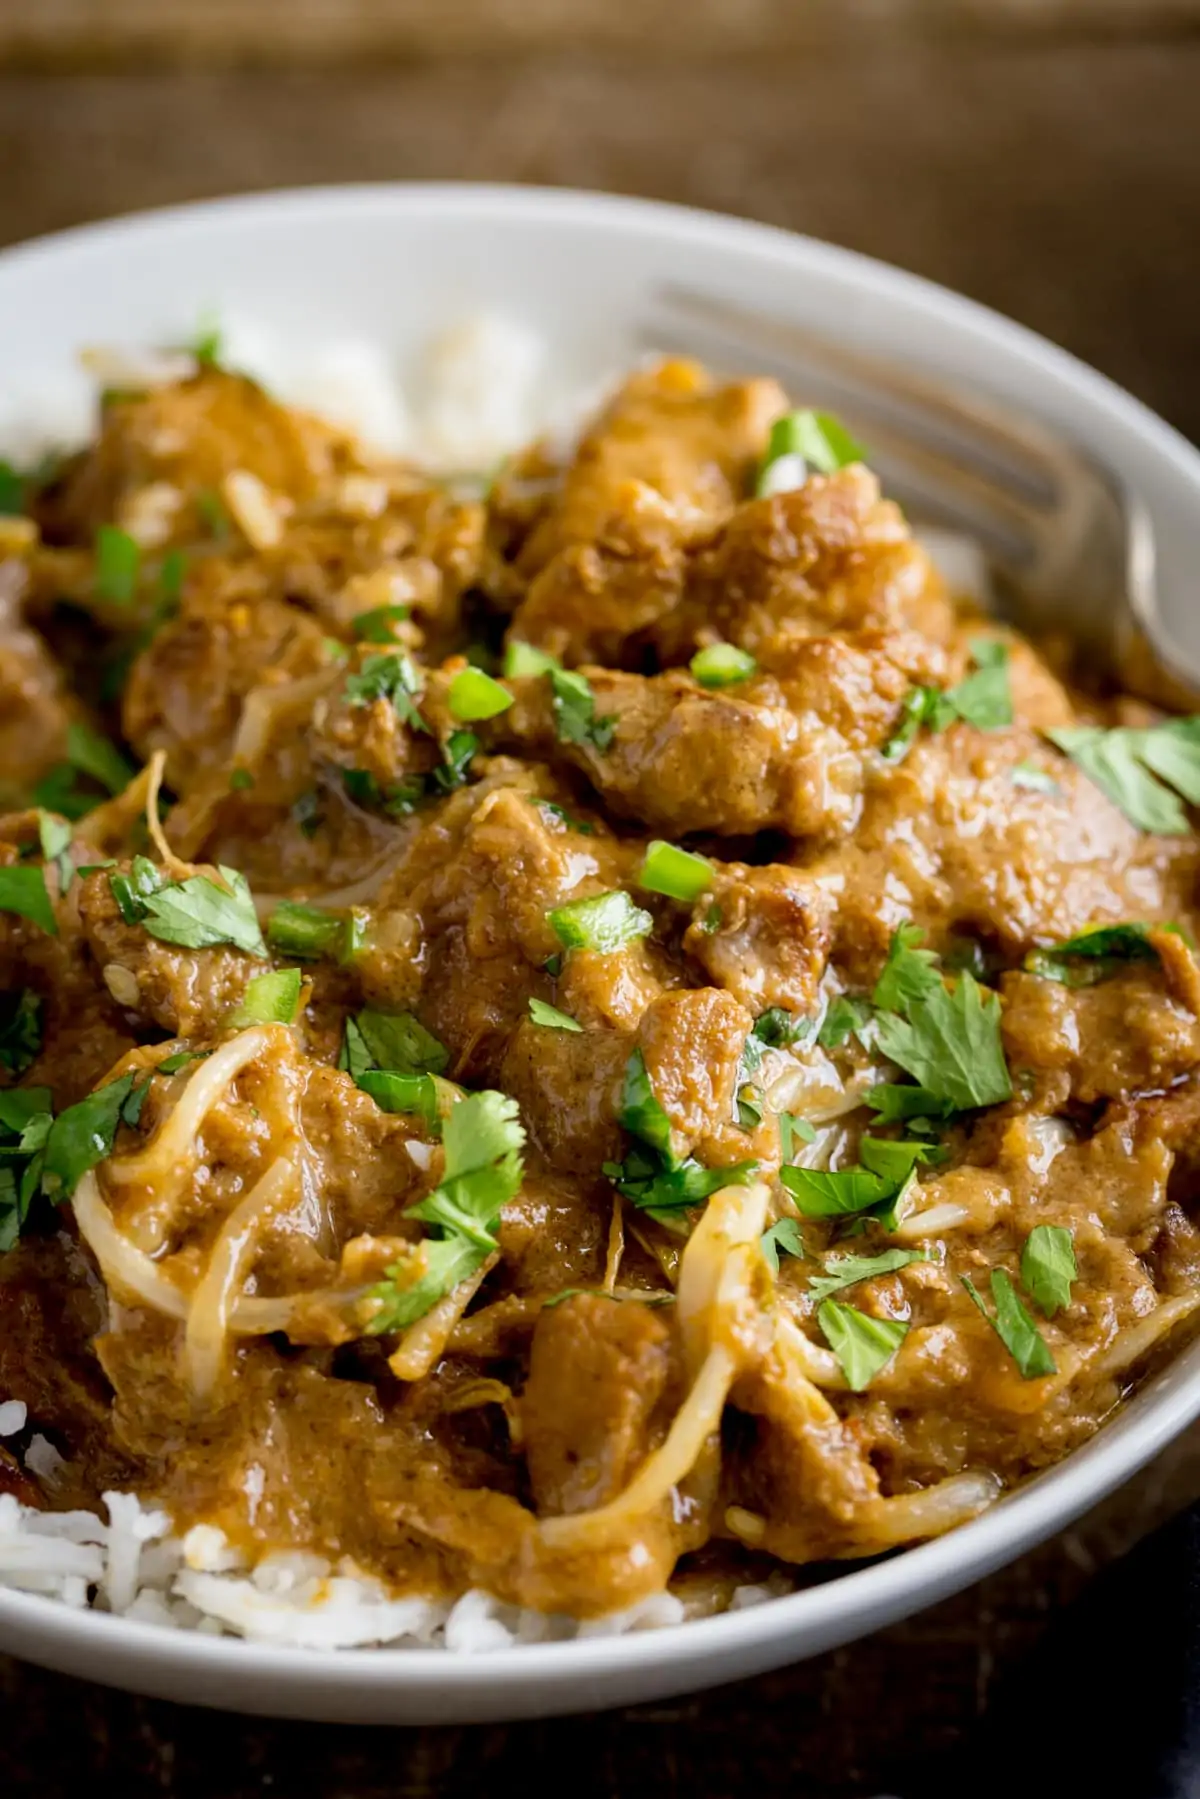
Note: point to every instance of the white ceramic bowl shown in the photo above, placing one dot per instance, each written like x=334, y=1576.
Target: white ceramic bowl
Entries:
x=394, y=263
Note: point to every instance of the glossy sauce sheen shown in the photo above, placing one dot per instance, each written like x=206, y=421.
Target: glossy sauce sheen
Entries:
x=641, y=550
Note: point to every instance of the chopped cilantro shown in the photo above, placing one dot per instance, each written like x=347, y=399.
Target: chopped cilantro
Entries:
x=1094, y=954
x=847, y=1271
x=1014, y=1327
x=861, y=1344
x=844, y=1017
x=1034, y=779
x=779, y=1029
x=982, y=699
x=566, y=818
x=23, y=891
x=240, y=780
x=783, y=1237
x=950, y=1043
x=376, y=625
x=793, y=1130
x=1141, y=771
x=1048, y=1267
x=551, y=1017
x=391, y=677
x=20, y=1030
x=83, y=1135
x=574, y=706
x=118, y=559
x=910, y=973
x=820, y=1194
x=195, y=913
x=483, y=1138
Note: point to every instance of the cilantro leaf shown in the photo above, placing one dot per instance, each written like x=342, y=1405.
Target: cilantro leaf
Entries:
x=821, y=1194
x=388, y=677
x=778, y=1028
x=861, y=1344
x=983, y=698
x=94, y=755
x=483, y=1139
x=20, y=1030
x=1137, y=769
x=198, y=914
x=23, y=891
x=1014, y=1327
x=397, y=1041
x=897, y=1104
x=792, y=1130
x=551, y=1018
x=574, y=707
x=1034, y=779
x=1093, y=954
x=639, y=1110
x=783, y=1237
x=909, y=974
x=847, y=1271
x=376, y=625
x=843, y=1019
x=950, y=1044
x=1048, y=1267
x=83, y=1136
x=25, y=1121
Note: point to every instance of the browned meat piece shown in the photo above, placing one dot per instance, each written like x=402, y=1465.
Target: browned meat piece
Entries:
x=35, y=708
x=188, y=993
x=828, y=556
x=184, y=440
x=947, y=838
x=568, y=1086
x=554, y=1234
x=186, y=691
x=1126, y=1035
x=763, y=934
x=598, y=1371
x=692, y=1041
x=670, y=429
x=770, y=753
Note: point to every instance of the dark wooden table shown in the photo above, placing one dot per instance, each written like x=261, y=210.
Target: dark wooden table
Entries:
x=1058, y=181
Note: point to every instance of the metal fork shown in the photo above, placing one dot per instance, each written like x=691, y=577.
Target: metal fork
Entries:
x=1069, y=546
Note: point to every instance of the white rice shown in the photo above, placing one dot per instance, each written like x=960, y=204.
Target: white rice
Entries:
x=134, y=1567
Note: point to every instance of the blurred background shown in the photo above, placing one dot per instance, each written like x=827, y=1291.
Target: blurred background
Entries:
x=1040, y=155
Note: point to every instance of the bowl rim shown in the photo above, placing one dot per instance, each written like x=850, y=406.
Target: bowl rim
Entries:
x=846, y=1605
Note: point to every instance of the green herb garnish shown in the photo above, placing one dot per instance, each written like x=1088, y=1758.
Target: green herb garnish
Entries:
x=195, y=913
x=982, y=699
x=84, y=1134
x=483, y=1138
x=551, y=1017
x=1014, y=1327
x=910, y=974
x=392, y=677
x=1094, y=954
x=847, y=1271
x=20, y=1030
x=722, y=665
x=574, y=707
x=1141, y=771
x=118, y=559
x=818, y=437
x=675, y=872
x=779, y=1029
x=1048, y=1267
x=843, y=1019
x=861, y=1344
x=783, y=1238
x=473, y=695
x=606, y=922
x=269, y=999
x=23, y=891
x=950, y=1043
x=375, y=626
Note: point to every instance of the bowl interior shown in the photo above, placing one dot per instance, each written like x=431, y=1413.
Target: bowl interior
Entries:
x=393, y=265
